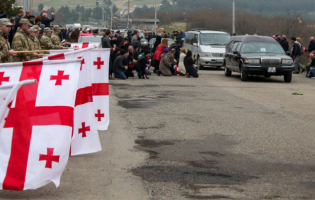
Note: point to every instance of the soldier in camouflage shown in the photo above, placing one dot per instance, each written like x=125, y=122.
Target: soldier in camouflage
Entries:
x=36, y=38
x=21, y=43
x=45, y=41
x=55, y=37
x=31, y=38
x=5, y=51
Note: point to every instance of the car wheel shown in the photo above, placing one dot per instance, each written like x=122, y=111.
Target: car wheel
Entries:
x=288, y=77
x=244, y=74
x=227, y=72
x=200, y=67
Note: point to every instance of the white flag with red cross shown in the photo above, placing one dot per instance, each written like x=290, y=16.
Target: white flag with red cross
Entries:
x=36, y=136
x=98, y=60
x=84, y=45
x=85, y=134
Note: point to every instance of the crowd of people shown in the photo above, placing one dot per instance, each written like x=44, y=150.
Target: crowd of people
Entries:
x=296, y=53
x=128, y=55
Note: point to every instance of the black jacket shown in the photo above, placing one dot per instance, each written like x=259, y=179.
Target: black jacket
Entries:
x=189, y=66
x=46, y=21
x=106, y=42
x=285, y=45
x=311, y=46
x=296, y=50
x=17, y=22
x=141, y=65
x=157, y=42
x=118, y=65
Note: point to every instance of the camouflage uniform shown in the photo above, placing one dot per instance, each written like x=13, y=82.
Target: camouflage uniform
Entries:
x=31, y=40
x=55, y=39
x=4, y=43
x=37, y=38
x=45, y=41
x=21, y=43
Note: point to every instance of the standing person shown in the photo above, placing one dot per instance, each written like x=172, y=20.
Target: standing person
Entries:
x=106, y=40
x=157, y=43
x=137, y=43
x=32, y=19
x=36, y=38
x=129, y=33
x=120, y=38
x=20, y=42
x=45, y=10
x=46, y=42
x=45, y=19
x=189, y=65
x=55, y=39
x=17, y=19
x=31, y=40
x=284, y=43
x=165, y=64
x=125, y=44
x=28, y=14
x=181, y=65
x=296, y=53
x=74, y=36
x=5, y=52
x=136, y=35
x=311, y=46
x=158, y=53
x=142, y=65
x=118, y=67
x=12, y=21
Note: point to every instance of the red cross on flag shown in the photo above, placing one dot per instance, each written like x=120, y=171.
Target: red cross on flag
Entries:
x=85, y=137
x=7, y=95
x=36, y=135
x=84, y=45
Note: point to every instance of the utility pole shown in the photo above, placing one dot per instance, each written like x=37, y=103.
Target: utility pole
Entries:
x=111, y=20
x=103, y=22
x=128, y=16
x=155, y=19
x=233, y=18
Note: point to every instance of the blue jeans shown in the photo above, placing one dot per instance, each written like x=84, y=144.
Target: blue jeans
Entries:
x=312, y=74
x=307, y=67
x=121, y=75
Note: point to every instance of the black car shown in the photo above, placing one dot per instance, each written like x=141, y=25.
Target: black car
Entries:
x=257, y=55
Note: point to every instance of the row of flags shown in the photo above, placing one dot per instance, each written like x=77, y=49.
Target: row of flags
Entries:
x=50, y=109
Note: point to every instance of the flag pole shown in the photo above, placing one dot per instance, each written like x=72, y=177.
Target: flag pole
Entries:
x=29, y=82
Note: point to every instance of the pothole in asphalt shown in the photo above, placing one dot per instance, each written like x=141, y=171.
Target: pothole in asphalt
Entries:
x=187, y=175
x=134, y=104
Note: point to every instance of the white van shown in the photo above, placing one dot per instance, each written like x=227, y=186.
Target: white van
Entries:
x=207, y=46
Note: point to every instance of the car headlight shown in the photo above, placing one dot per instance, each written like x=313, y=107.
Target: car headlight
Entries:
x=287, y=62
x=252, y=61
x=206, y=54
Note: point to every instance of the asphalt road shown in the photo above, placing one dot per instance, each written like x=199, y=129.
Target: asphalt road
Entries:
x=214, y=137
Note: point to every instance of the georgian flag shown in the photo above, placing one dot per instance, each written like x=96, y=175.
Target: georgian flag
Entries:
x=84, y=45
x=36, y=136
x=85, y=137
x=98, y=60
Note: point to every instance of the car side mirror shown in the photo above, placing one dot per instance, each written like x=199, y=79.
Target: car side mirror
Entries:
x=195, y=44
x=236, y=53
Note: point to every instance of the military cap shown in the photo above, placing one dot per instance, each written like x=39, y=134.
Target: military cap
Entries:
x=47, y=29
x=25, y=21
x=56, y=27
x=33, y=29
x=37, y=27
x=5, y=21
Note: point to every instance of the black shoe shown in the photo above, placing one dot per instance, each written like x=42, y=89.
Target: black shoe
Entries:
x=303, y=70
x=139, y=76
x=158, y=73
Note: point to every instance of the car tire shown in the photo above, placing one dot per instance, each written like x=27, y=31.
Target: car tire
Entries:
x=227, y=72
x=200, y=67
x=288, y=77
x=244, y=74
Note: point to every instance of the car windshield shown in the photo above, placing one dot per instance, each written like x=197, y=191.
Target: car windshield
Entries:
x=260, y=47
x=214, y=38
x=90, y=39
